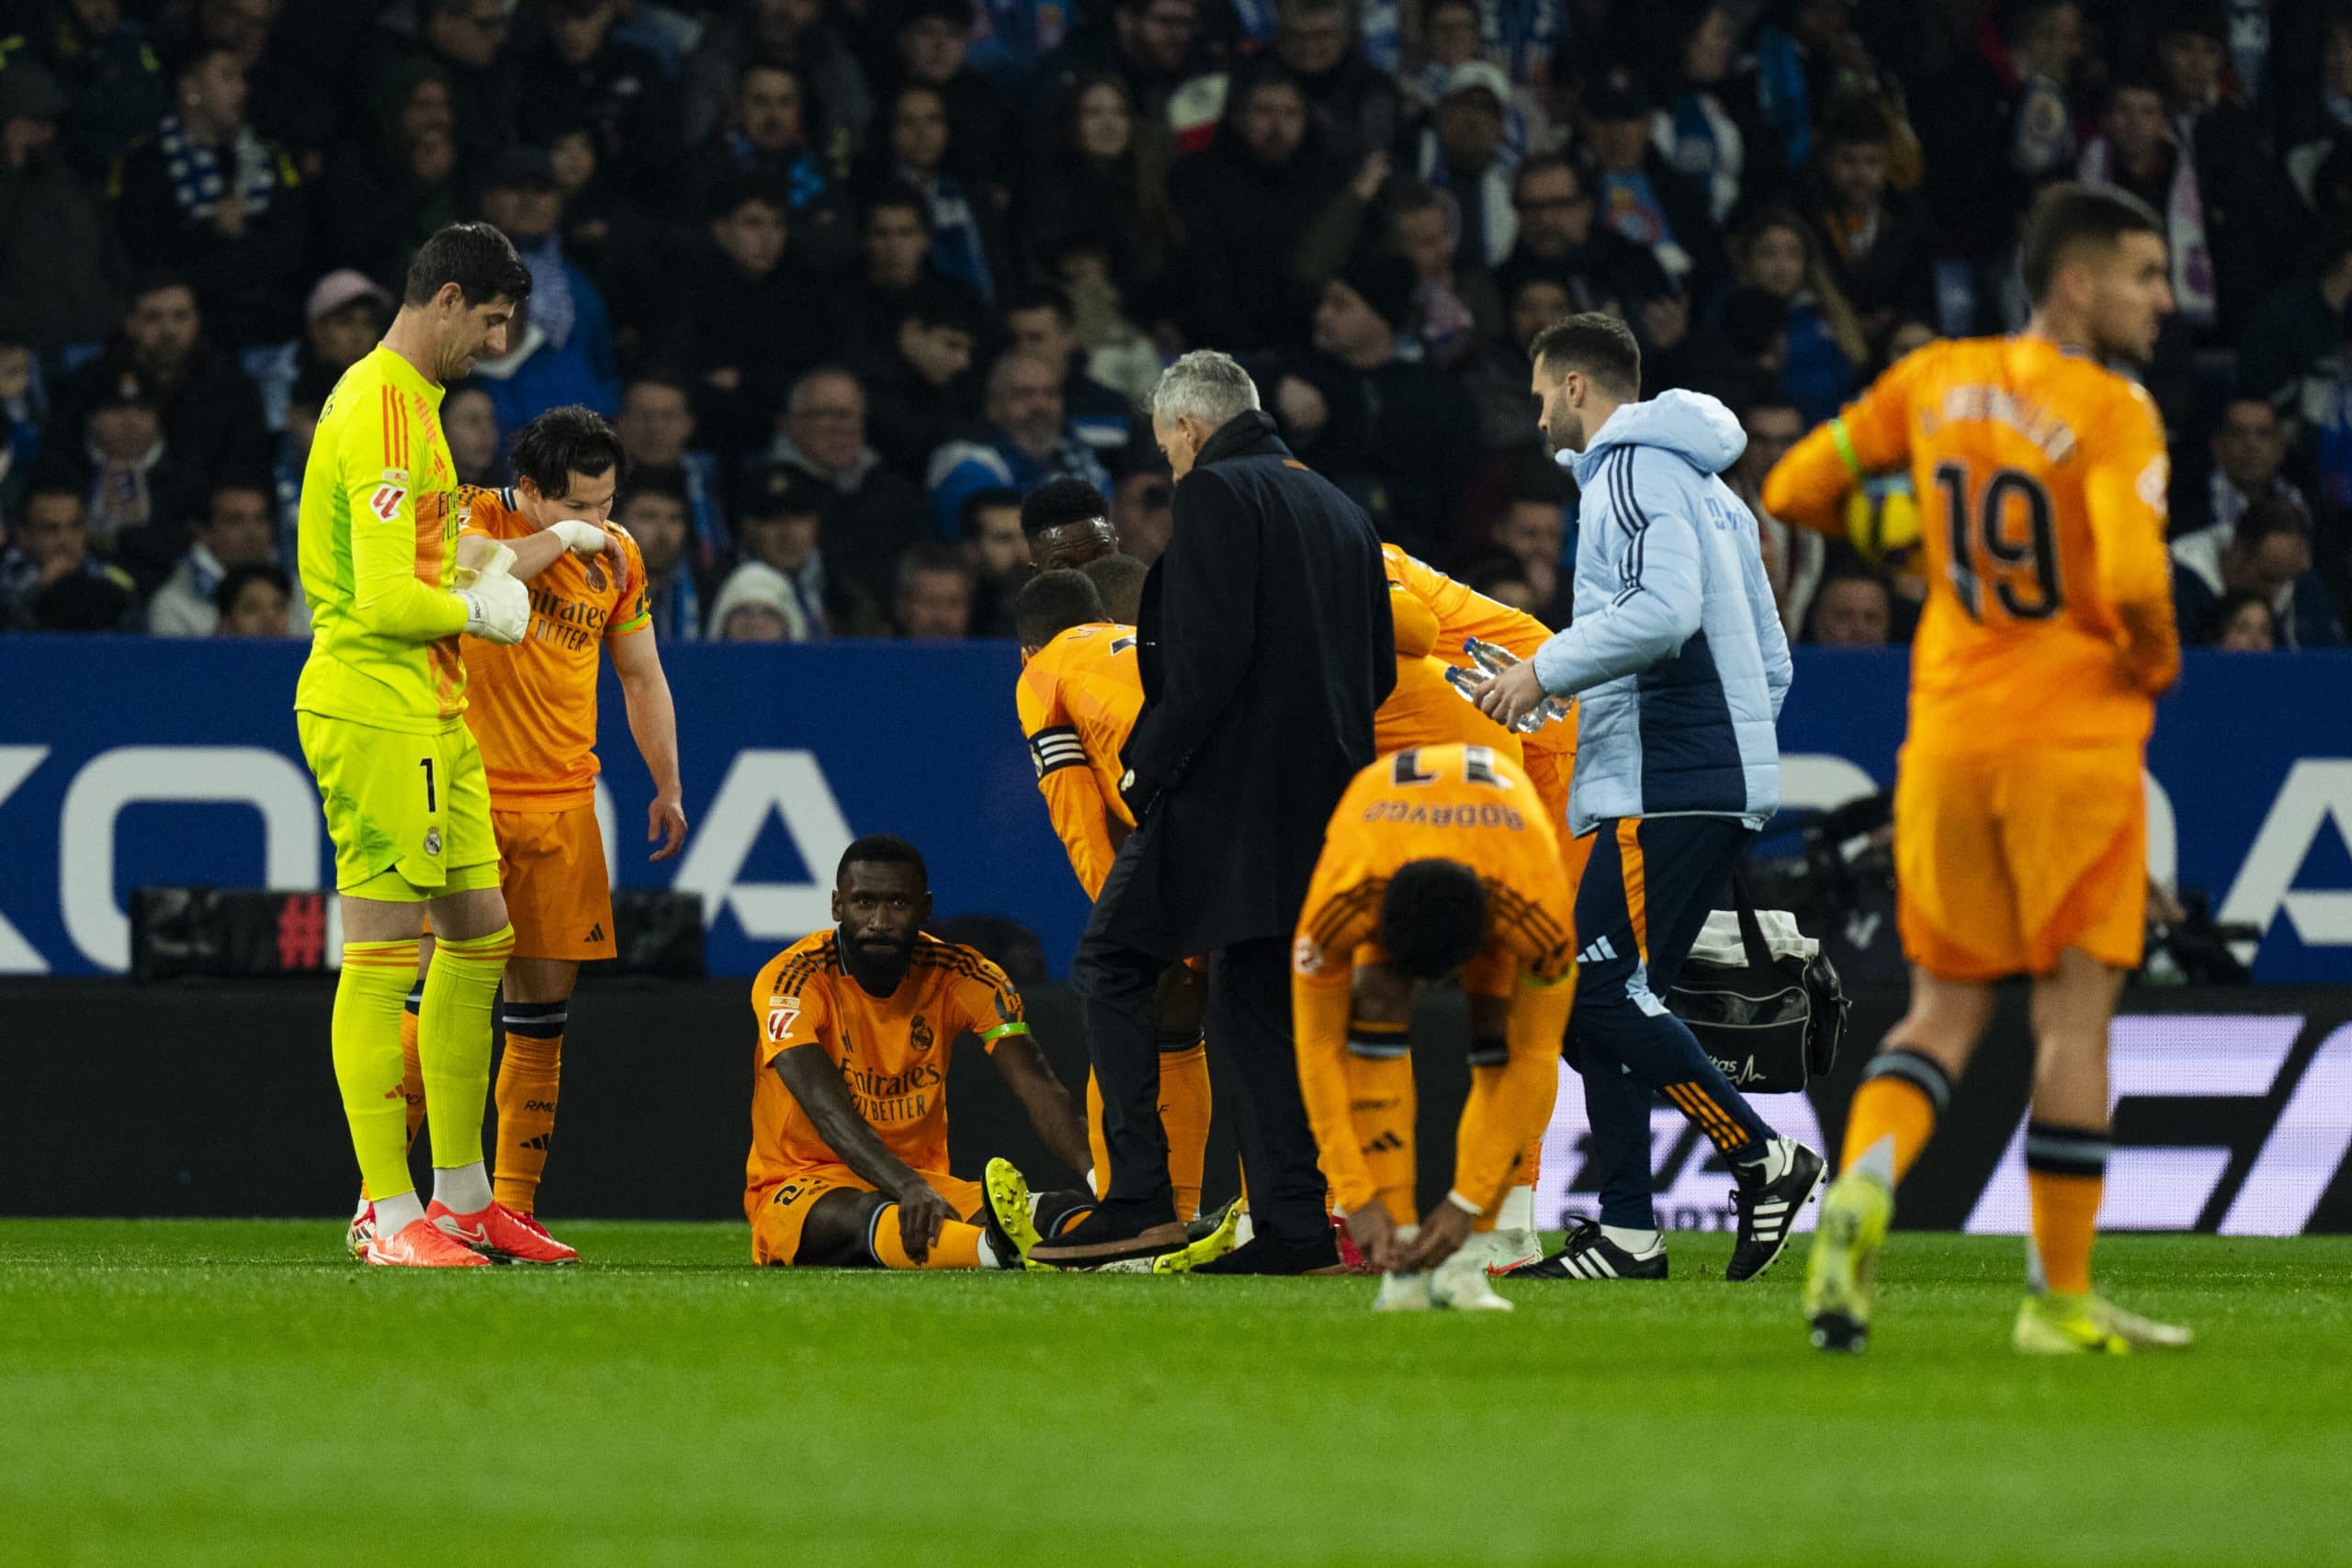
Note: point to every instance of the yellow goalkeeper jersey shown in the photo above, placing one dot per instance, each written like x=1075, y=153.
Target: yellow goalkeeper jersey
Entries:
x=378, y=555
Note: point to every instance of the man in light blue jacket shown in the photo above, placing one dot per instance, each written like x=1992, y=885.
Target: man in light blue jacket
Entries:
x=1677, y=651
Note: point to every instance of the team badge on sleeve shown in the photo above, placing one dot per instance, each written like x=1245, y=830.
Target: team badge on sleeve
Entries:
x=386, y=503
x=783, y=1013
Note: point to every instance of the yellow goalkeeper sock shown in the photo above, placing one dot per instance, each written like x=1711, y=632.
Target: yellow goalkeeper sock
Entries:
x=366, y=1032
x=412, y=1076
x=452, y=1041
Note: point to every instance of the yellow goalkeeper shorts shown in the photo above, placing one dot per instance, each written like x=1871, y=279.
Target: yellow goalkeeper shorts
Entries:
x=408, y=814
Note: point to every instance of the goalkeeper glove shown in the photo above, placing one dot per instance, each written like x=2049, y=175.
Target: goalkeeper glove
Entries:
x=498, y=607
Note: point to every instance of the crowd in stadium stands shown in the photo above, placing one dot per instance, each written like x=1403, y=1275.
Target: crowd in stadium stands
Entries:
x=850, y=276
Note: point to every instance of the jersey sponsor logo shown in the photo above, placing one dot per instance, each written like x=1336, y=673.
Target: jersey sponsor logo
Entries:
x=386, y=503
x=1306, y=957
x=783, y=1013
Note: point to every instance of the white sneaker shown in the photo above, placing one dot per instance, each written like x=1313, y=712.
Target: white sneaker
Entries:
x=1403, y=1293
x=362, y=1232
x=1460, y=1284
x=1504, y=1250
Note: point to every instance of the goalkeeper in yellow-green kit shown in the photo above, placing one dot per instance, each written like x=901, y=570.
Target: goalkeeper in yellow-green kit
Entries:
x=381, y=712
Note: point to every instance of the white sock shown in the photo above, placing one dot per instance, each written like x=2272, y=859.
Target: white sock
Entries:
x=1878, y=1162
x=1640, y=1243
x=1773, y=1163
x=989, y=1258
x=394, y=1215
x=462, y=1189
x=1518, y=1211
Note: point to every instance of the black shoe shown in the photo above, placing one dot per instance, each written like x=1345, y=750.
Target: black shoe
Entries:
x=1210, y=1221
x=1114, y=1232
x=1768, y=1210
x=1270, y=1254
x=1589, y=1255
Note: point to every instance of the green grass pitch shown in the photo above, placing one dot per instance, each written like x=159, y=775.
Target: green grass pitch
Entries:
x=232, y=1393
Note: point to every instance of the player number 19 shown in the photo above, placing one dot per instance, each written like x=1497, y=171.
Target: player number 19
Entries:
x=2008, y=561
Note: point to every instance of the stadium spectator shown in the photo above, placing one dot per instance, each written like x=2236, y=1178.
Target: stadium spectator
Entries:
x=2242, y=623
x=140, y=492
x=49, y=578
x=22, y=412
x=465, y=41
x=610, y=237
x=779, y=525
x=236, y=530
x=1452, y=33
x=767, y=138
x=343, y=317
x=894, y=263
x=394, y=183
x=1793, y=558
x=935, y=594
x=1532, y=531
x=1503, y=578
x=756, y=604
x=1641, y=195
x=2289, y=352
x=2268, y=553
x=1876, y=240
x=1852, y=609
x=292, y=457
x=205, y=195
x=933, y=43
x=2245, y=204
x=2137, y=151
x=1142, y=512
x=1039, y=320
x=254, y=601
x=1462, y=151
x=654, y=512
x=1024, y=439
x=210, y=413
x=1493, y=375
x=2246, y=455
x=870, y=513
x=1999, y=119
x=1151, y=47
x=917, y=387
x=1776, y=251
x=1392, y=431
x=477, y=445
x=1246, y=203
x=995, y=555
x=1559, y=241
x=559, y=345
x=916, y=150
x=656, y=424
x=579, y=72
x=794, y=33
x=744, y=319
x=1103, y=184
x=114, y=84
x=1356, y=106
x=1707, y=122
x=61, y=267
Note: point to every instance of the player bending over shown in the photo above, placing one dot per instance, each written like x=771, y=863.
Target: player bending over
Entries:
x=2019, y=820
x=533, y=711
x=1438, y=862
x=849, y=1111
x=1078, y=697
x=380, y=710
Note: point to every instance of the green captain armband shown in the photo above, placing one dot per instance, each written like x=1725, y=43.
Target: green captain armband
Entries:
x=989, y=1037
x=1846, y=452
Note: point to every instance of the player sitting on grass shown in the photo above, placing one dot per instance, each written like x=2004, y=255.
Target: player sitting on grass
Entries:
x=849, y=1113
x=1439, y=862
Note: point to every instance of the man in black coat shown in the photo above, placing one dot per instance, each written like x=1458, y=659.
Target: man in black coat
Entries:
x=1266, y=644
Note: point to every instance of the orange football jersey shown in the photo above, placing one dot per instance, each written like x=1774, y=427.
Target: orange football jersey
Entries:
x=1461, y=613
x=2041, y=478
x=1078, y=698
x=533, y=707
x=892, y=1051
x=1468, y=805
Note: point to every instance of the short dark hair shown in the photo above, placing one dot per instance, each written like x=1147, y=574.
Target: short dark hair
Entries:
x=1058, y=502
x=935, y=302
x=1051, y=602
x=1119, y=578
x=1599, y=345
x=2217, y=625
x=798, y=496
x=2068, y=215
x=1549, y=162
x=476, y=257
x=2271, y=514
x=886, y=849
x=233, y=582
x=735, y=190
x=567, y=441
x=1039, y=297
x=1855, y=119
x=897, y=194
x=155, y=279
x=934, y=557
x=1433, y=917
x=967, y=516
x=667, y=483
x=312, y=385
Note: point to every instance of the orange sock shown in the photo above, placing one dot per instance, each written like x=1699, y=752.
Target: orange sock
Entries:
x=1096, y=1149
x=1380, y=1097
x=528, y=1072
x=958, y=1245
x=1901, y=1096
x=412, y=1075
x=1184, y=1117
x=2065, y=1174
